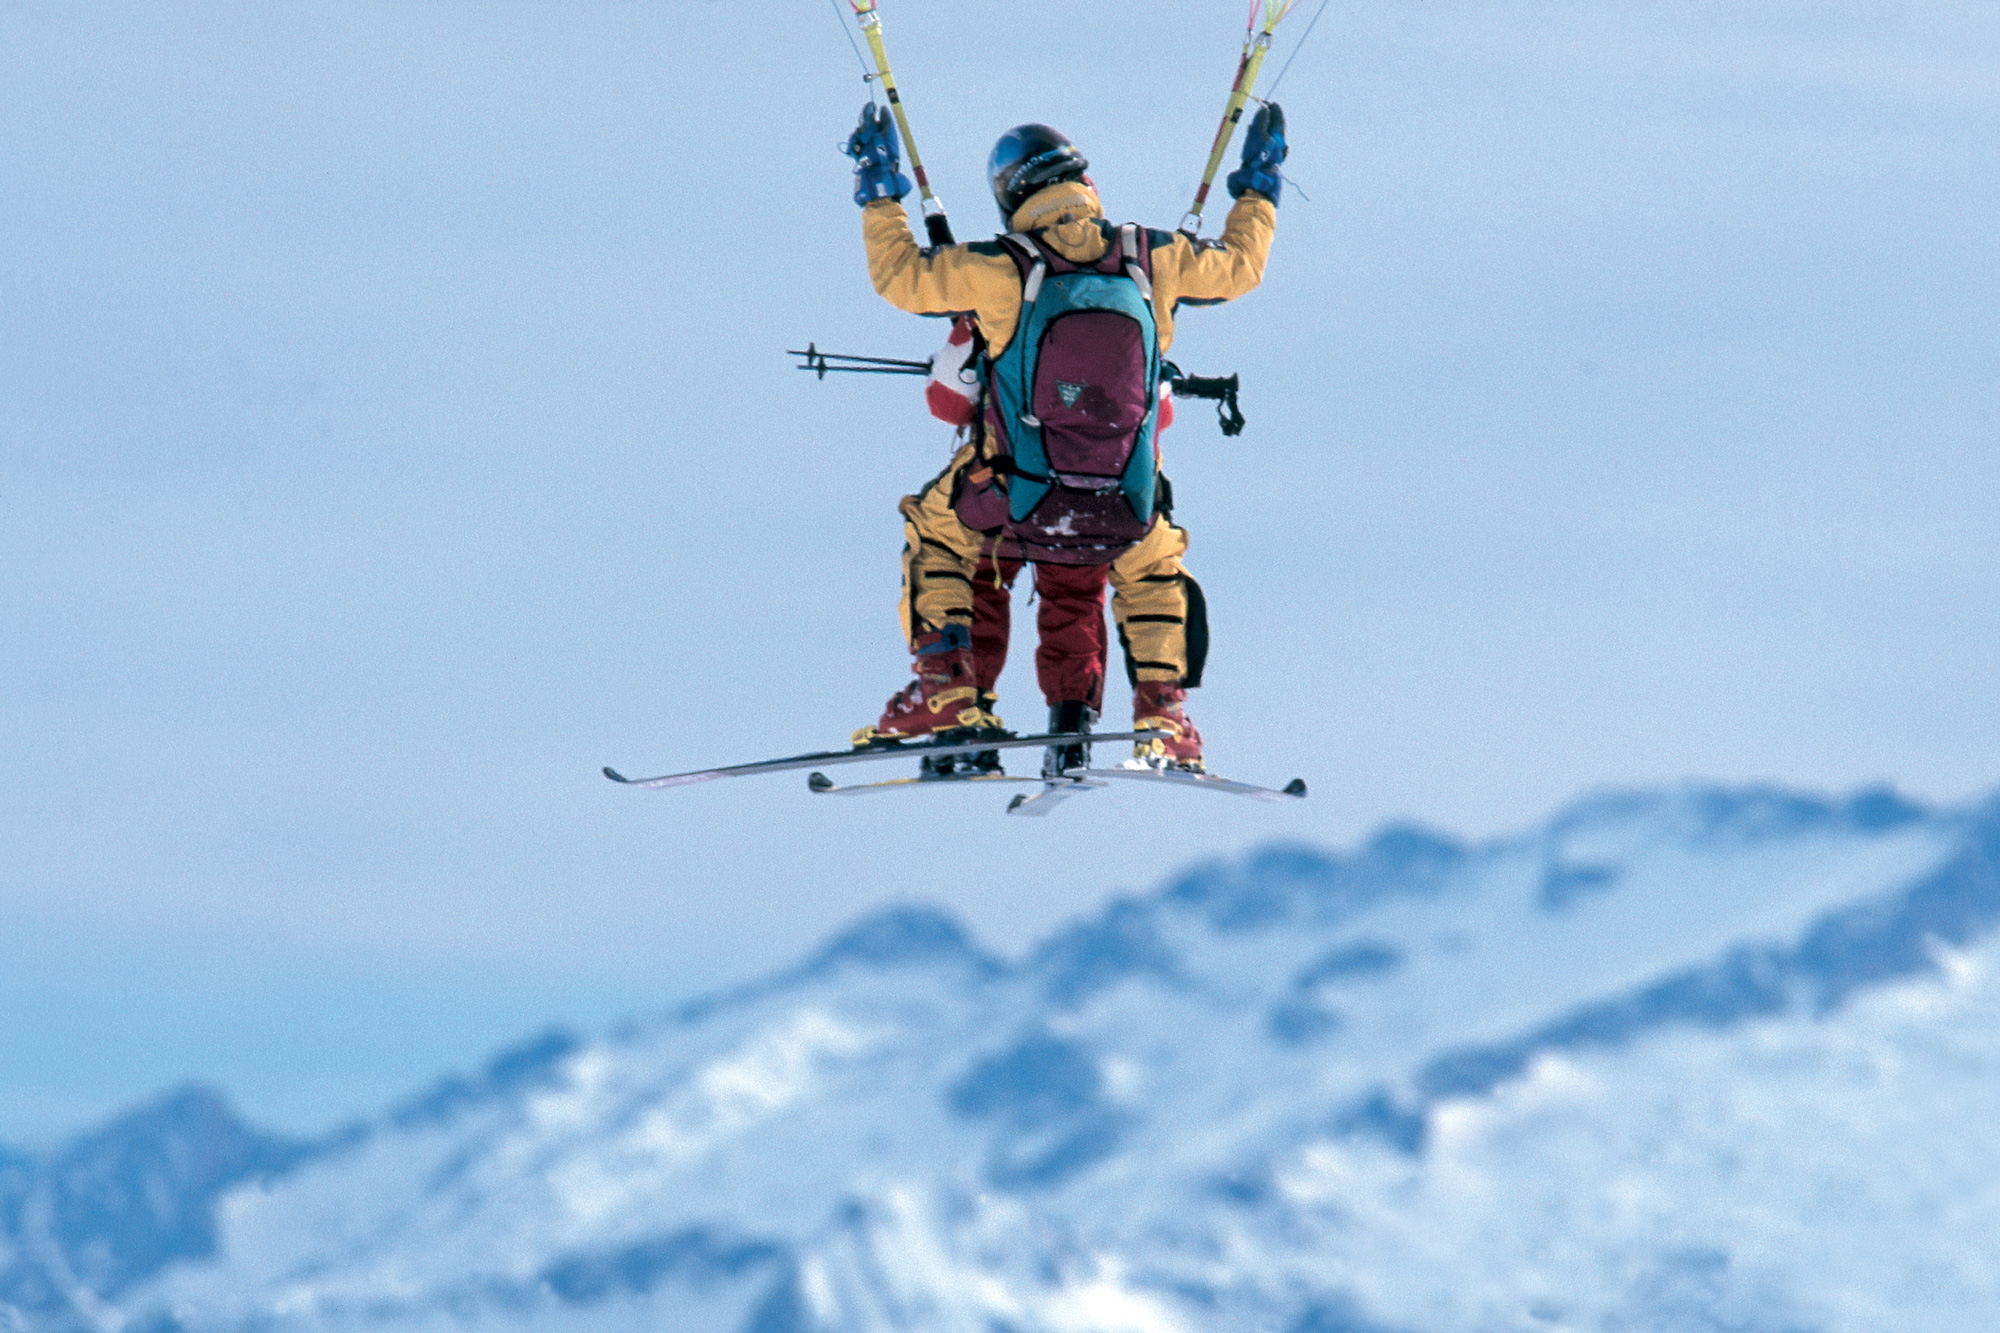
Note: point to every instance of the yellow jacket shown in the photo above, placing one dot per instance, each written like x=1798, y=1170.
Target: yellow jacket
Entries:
x=980, y=279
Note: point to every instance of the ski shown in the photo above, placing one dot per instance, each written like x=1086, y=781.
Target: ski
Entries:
x=1291, y=791
x=826, y=786
x=876, y=750
x=1074, y=780
x=1069, y=784
x=1053, y=793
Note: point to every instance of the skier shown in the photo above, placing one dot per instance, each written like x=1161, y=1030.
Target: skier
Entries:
x=1069, y=649
x=1062, y=466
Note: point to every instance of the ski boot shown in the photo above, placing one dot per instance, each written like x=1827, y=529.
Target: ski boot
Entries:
x=1069, y=716
x=941, y=700
x=1157, y=706
x=979, y=762
x=982, y=761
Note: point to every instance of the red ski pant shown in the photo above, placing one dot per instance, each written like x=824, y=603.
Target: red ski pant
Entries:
x=992, y=616
x=1073, y=649
x=951, y=574
x=1070, y=659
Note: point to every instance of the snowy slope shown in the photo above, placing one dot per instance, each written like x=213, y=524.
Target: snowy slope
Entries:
x=1694, y=1059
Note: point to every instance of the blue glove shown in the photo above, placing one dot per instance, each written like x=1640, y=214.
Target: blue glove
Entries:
x=1263, y=149
x=876, y=157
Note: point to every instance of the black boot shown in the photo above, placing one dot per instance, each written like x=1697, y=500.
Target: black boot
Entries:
x=959, y=765
x=1071, y=717
x=987, y=761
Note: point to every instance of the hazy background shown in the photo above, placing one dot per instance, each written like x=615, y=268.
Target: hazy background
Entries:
x=394, y=427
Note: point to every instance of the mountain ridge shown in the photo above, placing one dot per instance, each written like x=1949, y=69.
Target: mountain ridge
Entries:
x=739, y=1162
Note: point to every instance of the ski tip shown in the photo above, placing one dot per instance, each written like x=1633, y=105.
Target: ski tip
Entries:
x=615, y=775
x=819, y=782
x=1296, y=787
x=1015, y=804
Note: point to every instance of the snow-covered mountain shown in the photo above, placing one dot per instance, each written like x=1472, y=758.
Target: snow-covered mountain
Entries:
x=1682, y=1060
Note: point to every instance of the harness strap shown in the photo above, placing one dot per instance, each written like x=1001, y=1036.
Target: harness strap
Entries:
x=1033, y=261
x=1135, y=265
x=1031, y=288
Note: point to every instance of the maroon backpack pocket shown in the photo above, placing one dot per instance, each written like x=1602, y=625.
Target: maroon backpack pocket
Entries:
x=1078, y=528
x=982, y=504
x=1090, y=396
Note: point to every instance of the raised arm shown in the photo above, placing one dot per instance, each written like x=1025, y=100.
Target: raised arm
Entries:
x=1191, y=272
x=1205, y=272
x=977, y=279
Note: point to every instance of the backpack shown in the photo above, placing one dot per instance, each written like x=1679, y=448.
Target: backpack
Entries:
x=1073, y=402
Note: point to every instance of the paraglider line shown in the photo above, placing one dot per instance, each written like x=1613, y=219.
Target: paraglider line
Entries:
x=867, y=74
x=1273, y=89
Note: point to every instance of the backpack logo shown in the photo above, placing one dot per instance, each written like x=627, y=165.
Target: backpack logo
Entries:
x=1069, y=393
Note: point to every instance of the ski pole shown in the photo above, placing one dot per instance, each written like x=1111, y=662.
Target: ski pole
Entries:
x=1256, y=45
x=935, y=221
x=822, y=362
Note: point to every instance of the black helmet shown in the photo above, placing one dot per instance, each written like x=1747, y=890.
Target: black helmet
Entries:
x=1027, y=158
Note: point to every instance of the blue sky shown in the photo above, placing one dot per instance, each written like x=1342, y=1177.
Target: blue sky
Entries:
x=394, y=428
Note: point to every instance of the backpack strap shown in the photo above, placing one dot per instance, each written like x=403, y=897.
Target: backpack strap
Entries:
x=1138, y=257
x=1032, y=258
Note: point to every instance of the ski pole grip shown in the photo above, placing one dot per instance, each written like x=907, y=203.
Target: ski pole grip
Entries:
x=939, y=228
x=1220, y=389
x=1204, y=386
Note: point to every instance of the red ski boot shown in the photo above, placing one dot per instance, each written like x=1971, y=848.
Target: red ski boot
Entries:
x=941, y=698
x=1156, y=706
